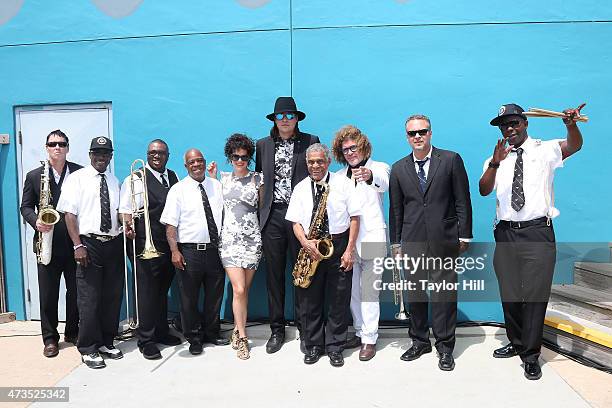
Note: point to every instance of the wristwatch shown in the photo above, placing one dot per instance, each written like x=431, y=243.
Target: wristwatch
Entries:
x=493, y=165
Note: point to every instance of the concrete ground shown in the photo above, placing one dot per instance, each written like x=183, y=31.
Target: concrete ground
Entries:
x=218, y=378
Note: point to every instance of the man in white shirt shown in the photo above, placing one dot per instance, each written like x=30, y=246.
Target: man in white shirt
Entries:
x=331, y=283
x=193, y=215
x=90, y=201
x=370, y=180
x=153, y=275
x=521, y=171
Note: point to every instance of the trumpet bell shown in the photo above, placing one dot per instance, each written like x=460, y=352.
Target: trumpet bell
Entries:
x=402, y=315
x=148, y=253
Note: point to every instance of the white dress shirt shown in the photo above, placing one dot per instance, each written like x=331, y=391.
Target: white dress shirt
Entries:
x=540, y=159
x=81, y=197
x=184, y=209
x=57, y=176
x=125, y=204
x=342, y=204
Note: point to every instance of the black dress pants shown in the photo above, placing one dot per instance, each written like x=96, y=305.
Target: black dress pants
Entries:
x=203, y=269
x=100, y=293
x=330, y=289
x=278, y=240
x=154, y=277
x=524, y=263
x=48, y=293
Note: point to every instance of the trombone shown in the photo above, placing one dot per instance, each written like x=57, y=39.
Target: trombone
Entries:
x=138, y=174
x=398, y=282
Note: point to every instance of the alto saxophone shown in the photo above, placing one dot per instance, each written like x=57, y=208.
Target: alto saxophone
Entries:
x=306, y=267
x=46, y=215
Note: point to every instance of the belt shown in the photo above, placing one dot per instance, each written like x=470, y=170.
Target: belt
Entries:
x=341, y=235
x=103, y=238
x=198, y=247
x=525, y=224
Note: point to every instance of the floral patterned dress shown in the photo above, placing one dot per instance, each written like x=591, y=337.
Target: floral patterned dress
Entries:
x=240, y=236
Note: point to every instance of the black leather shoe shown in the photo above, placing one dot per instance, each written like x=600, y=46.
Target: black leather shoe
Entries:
x=217, y=341
x=169, y=340
x=505, y=352
x=446, y=362
x=313, y=355
x=195, y=348
x=533, y=371
x=353, y=342
x=275, y=342
x=416, y=351
x=335, y=358
x=151, y=352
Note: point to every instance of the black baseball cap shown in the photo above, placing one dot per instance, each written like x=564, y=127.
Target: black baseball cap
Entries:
x=101, y=143
x=510, y=109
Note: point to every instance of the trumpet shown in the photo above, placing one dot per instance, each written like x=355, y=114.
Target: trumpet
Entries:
x=398, y=290
x=138, y=173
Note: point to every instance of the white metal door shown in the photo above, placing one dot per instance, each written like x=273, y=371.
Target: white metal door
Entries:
x=80, y=123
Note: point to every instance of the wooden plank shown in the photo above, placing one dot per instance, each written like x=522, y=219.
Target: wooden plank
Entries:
x=593, y=297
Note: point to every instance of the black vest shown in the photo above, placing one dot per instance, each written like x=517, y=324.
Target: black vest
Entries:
x=157, y=200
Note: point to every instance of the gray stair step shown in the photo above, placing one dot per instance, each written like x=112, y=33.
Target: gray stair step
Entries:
x=579, y=346
x=594, y=275
x=582, y=294
x=582, y=310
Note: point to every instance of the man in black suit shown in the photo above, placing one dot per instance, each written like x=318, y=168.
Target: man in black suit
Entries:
x=154, y=275
x=62, y=254
x=282, y=159
x=430, y=215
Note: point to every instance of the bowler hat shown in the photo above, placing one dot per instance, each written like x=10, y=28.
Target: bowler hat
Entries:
x=285, y=104
x=101, y=143
x=510, y=109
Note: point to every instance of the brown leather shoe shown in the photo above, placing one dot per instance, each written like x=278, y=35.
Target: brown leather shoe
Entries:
x=51, y=350
x=367, y=352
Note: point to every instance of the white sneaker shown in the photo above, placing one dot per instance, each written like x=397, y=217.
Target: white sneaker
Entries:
x=111, y=352
x=93, y=360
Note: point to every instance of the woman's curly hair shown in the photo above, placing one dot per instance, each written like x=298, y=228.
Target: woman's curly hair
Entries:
x=239, y=141
x=350, y=132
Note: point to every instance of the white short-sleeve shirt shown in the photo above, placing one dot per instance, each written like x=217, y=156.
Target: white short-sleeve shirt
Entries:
x=125, y=204
x=342, y=204
x=81, y=197
x=540, y=159
x=184, y=209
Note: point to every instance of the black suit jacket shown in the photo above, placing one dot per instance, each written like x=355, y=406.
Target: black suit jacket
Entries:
x=442, y=214
x=264, y=162
x=29, y=207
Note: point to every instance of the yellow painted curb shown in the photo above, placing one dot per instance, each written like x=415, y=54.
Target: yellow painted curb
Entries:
x=576, y=329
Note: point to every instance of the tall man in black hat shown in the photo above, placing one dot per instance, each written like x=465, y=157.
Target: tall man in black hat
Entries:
x=521, y=171
x=154, y=275
x=90, y=201
x=282, y=159
x=62, y=255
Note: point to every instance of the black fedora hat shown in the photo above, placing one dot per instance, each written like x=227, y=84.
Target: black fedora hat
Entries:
x=511, y=109
x=285, y=104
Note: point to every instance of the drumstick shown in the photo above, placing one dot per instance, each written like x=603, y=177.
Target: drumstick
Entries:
x=544, y=113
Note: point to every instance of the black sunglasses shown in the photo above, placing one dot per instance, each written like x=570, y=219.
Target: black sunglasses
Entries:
x=60, y=144
x=244, y=157
x=511, y=123
x=413, y=133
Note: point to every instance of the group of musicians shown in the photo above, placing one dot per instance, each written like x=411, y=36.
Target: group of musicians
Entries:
x=430, y=214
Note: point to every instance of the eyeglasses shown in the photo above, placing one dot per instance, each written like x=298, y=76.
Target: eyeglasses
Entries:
x=243, y=157
x=511, y=123
x=413, y=133
x=157, y=153
x=352, y=148
x=289, y=116
x=54, y=144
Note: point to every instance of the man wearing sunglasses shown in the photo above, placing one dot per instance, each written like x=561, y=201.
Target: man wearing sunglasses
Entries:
x=62, y=254
x=521, y=171
x=154, y=275
x=281, y=157
x=430, y=215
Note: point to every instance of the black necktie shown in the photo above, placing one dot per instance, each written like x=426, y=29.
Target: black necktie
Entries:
x=518, y=195
x=421, y=174
x=210, y=220
x=105, y=215
x=164, y=182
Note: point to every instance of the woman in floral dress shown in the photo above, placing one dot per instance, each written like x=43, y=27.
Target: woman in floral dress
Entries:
x=240, y=247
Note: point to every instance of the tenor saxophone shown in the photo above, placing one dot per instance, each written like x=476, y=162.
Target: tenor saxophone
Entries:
x=46, y=215
x=306, y=267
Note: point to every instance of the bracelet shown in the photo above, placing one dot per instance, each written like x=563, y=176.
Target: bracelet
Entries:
x=493, y=165
x=79, y=246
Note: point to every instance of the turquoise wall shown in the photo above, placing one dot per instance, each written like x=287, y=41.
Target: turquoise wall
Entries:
x=194, y=72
